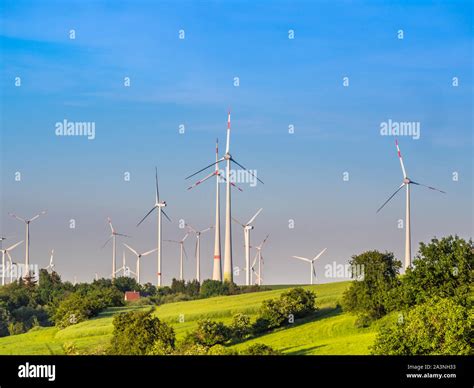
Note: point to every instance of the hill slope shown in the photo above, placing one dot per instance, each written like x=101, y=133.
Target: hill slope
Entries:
x=330, y=332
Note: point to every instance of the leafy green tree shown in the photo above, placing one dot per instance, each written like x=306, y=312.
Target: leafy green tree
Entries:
x=443, y=268
x=213, y=288
x=209, y=333
x=240, y=326
x=298, y=302
x=369, y=297
x=4, y=321
x=178, y=286
x=260, y=350
x=192, y=288
x=125, y=283
x=438, y=327
x=140, y=333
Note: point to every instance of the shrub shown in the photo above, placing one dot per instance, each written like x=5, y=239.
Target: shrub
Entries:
x=437, y=327
x=240, y=326
x=139, y=333
x=260, y=350
x=213, y=288
x=74, y=309
x=210, y=333
x=298, y=302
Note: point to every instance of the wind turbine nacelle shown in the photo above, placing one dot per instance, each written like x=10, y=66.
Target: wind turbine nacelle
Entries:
x=227, y=156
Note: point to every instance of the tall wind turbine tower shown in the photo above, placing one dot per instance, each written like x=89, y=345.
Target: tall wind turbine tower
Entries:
x=406, y=182
x=217, y=267
x=113, y=237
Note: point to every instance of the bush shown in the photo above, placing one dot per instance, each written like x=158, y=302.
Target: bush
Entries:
x=240, y=326
x=74, y=309
x=298, y=302
x=213, y=288
x=210, y=333
x=272, y=313
x=139, y=333
x=370, y=296
x=260, y=350
x=437, y=327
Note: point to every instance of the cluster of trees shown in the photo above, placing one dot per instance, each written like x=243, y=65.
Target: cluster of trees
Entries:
x=432, y=298
x=142, y=333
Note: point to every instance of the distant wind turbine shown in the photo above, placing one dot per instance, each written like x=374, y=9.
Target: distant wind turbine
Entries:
x=247, y=228
x=113, y=237
x=228, y=264
x=126, y=271
x=258, y=259
x=27, y=239
x=139, y=256
x=311, y=262
x=158, y=205
x=6, y=252
x=406, y=182
x=181, y=253
x=198, y=248
x=51, y=262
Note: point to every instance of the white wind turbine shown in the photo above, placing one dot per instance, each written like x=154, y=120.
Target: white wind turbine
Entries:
x=258, y=259
x=311, y=262
x=27, y=239
x=247, y=228
x=51, y=262
x=126, y=271
x=139, y=256
x=113, y=237
x=217, y=270
x=228, y=264
x=198, y=248
x=182, y=252
x=406, y=182
x=6, y=252
x=158, y=205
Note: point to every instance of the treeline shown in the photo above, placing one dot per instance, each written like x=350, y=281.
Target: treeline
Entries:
x=431, y=302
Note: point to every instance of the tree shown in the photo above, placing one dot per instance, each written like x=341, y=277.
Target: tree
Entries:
x=261, y=350
x=443, y=268
x=209, y=333
x=125, y=283
x=140, y=333
x=369, y=297
x=213, y=288
x=240, y=326
x=438, y=327
x=298, y=302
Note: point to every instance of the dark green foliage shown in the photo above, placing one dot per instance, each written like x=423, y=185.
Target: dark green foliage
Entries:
x=439, y=326
x=178, y=286
x=125, y=283
x=139, y=333
x=260, y=350
x=214, y=288
x=369, y=296
x=240, y=327
x=209, y=333
x=4, y=320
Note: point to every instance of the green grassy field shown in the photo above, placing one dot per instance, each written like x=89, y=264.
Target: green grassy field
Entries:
x=329, y=332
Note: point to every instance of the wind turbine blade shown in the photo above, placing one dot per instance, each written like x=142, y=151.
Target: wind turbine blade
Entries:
x=110, y=224
x=255, y=216
x=232, y=183
x=133, y=250
x=106, y=242
x=14, y=246
x=314, y=269
x=18, y=218
x=148, y=252
x=319, y=254
x=185, y=254
x=429, y=187
x=251, y=173
x=205, y=168
x=202, y=180
x=166, y=215
x=156, y=182
x=236, y=220
x=401, y=160
x=123, y=235
x=206, y=230
x=173, y=241
x=254, y=261
x=191, y=228
x=227, y=147
x=143, y=219
x=185, y=237
x=302, y=258
x=10, y=258
x=389, y=198
x=263, y=242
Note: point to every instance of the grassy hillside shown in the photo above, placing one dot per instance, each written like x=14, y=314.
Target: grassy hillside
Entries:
x=330, y=332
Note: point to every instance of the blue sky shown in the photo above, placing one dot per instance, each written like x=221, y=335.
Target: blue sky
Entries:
x=190, y=82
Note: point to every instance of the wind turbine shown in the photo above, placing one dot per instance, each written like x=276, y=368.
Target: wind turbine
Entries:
x=182, y=252
x=139, y=256
x=311, y=262
x=198, y=248
x=406, y=182
x=27, y=239
x=217, y=268
x=228, y=264
x=6, y=252
x=51, y=262
x=259, y=258
x=126, y=271
x=113, y=237
x=247, y=228
x=158, y=205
